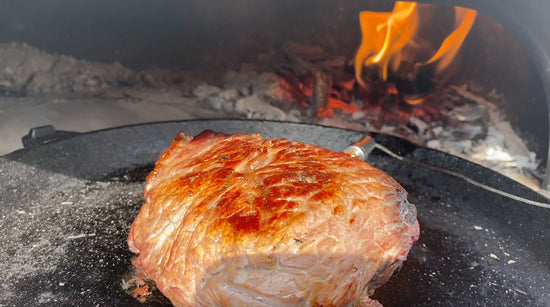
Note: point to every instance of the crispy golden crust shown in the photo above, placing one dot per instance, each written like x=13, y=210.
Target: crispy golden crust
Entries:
x=232, y=220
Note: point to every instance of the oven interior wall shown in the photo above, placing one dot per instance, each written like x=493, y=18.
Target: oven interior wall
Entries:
x=180, y=34
x=219, y=34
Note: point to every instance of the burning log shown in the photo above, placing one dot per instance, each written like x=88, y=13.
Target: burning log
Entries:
x=315, y=74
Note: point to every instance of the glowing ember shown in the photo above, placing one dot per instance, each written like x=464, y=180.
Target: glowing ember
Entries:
x=334, y=103
x=390, y=40
x=301, y=88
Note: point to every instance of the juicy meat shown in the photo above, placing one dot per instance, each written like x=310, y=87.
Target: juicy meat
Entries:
x=238, y=220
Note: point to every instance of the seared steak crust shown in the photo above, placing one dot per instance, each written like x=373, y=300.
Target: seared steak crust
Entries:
x=238, y=220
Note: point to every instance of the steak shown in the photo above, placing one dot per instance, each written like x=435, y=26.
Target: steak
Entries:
x=233, y=220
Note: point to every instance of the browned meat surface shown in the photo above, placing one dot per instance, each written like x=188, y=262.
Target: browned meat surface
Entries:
x=241, y=221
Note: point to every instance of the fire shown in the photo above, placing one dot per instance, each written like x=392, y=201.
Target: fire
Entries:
x=389, y=38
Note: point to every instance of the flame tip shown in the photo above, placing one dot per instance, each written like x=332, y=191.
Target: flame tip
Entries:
x=387, y=34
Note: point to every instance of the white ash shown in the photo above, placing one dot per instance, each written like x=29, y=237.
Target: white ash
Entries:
x=204, y=91
x=247, y=94
x=420, y=124
x=249, y=81
x=31, y=71
x=254, y=107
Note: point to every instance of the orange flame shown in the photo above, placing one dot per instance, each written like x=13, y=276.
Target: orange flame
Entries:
x=385, y=34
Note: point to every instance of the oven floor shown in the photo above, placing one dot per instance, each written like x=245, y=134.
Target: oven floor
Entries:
x=19, y=114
